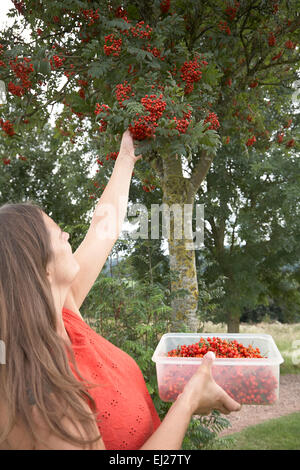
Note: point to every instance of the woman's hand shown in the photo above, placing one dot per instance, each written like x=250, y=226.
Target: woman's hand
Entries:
x=127, y=148
x=203, y=394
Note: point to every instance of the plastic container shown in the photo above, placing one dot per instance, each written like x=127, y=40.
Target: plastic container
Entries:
x=248, y=381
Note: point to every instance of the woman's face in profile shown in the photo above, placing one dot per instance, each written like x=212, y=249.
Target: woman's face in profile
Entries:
x=64, y=267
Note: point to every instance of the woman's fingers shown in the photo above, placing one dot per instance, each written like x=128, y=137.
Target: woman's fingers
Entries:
x=229, y=403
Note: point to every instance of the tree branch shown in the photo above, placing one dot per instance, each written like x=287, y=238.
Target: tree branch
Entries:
x=200, y=171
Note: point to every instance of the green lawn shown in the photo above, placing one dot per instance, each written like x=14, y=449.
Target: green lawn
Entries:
x=275, y=434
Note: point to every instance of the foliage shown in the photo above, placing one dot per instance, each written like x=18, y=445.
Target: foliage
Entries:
x=231, y=55
x=203, y=433
x=251, y=234
x=52, y=174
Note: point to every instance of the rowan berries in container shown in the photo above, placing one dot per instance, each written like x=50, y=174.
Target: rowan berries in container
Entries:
x=246, y=366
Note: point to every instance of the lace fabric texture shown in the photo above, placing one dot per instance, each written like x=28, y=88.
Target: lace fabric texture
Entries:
x=125, y=409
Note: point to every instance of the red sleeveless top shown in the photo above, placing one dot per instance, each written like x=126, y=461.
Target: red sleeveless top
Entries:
x=125, y=409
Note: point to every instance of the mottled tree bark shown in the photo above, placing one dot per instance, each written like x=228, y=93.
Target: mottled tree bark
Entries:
x=179, y=191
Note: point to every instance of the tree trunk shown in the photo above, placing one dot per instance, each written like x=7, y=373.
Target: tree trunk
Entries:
x=180, y=191
x=184, y=283
x=184, y=286
x=233, y=323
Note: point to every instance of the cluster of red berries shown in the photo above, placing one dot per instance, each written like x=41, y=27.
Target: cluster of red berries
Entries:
x=101, y=108
x=81, y=93
x=121, y=13
x=271, y=40
x=221, y=348
x=214, y=122
x=112, y=45
x=147, y=187
x=290, y=143
x=155, y=52
x=140, y=31
x=22, y=69
x=123, y=91
x=112, y=156
x=155, y=106
x=223, y=26
x=91, y=16
x=251, y=141
x=19, y=6
x=253, y=84
x=16, y=90
x=7, y=127
x=144, y=127
x=183, y=124
x=190, y=73
x=290, y=44
x=232, y=11
x=165, y=6
x=82, y=83
x=58, y=62
x=280, y=137
x=104, y=109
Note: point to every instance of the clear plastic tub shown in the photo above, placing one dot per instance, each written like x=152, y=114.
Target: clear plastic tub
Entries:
x=249, y=381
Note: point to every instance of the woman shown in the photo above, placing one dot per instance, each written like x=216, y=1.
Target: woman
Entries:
x=63, y=386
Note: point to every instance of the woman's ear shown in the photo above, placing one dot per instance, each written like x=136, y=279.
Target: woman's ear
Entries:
x=49, y=275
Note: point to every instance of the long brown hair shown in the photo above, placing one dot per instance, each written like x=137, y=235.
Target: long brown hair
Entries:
x=37, y=367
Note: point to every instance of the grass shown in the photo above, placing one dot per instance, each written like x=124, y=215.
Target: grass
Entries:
x=286, y=337
x=275, y=434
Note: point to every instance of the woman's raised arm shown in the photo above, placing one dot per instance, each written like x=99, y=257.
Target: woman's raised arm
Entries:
x=106, y=222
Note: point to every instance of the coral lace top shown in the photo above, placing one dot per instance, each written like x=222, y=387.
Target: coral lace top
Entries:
x=125, y=409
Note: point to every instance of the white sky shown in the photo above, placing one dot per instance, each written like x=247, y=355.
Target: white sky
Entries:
x=5, y=5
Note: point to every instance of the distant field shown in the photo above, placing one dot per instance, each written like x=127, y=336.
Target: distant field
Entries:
x=286, y=337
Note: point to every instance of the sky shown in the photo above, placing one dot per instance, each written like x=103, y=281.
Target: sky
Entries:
x=5, y=5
